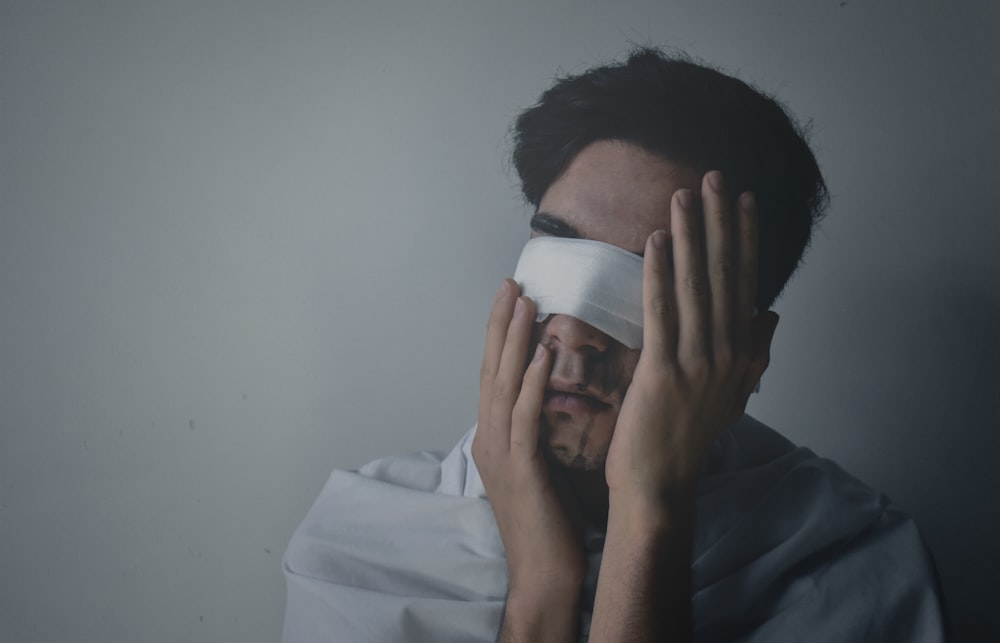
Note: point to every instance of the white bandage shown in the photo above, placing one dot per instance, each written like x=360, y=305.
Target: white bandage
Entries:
x=596, y=282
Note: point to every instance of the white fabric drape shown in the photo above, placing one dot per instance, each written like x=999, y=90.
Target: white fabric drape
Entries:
x=788, y=547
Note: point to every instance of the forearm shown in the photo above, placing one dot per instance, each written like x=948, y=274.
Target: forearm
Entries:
x=549, y=616
x=644, y=587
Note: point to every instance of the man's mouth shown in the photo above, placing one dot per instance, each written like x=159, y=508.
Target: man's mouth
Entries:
x=571, y=402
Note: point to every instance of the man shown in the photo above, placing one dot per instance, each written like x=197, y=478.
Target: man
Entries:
x=613, y=489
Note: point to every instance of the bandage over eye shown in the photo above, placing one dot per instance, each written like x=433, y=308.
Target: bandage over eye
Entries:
x=596, y=282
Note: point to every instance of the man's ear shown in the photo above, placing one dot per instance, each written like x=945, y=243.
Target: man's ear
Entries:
x=762, y=328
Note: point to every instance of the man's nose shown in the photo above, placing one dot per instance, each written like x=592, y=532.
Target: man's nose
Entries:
x=572, y=334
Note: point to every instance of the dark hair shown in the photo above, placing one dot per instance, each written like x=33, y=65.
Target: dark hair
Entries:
x=693, y=115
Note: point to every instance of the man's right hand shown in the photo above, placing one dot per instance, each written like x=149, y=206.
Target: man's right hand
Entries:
x=545, y=559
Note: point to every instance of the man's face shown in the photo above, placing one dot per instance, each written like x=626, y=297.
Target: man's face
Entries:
x=616, y=193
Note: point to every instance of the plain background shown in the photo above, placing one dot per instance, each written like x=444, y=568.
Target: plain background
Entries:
x=242, y=243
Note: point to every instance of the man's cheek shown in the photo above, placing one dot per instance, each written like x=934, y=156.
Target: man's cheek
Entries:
x=629, y=362
x=618, y=379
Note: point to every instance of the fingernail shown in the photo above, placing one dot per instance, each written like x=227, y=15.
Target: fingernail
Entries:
x=747, y=200
x=504, y=289
x=539, y=352
x=519, y=307
x=660, y=239
x=684, y=198
x=715, y=180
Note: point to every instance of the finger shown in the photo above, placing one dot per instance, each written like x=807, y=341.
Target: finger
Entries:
x=496, y=328
x=690, y=278
x=496, y=336
x=659, y=306
x=528, y=408
x=507, y=383
x=748, y=230
x=721, y=261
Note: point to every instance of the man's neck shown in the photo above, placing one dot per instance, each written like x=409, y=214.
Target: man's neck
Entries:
x=591, y=490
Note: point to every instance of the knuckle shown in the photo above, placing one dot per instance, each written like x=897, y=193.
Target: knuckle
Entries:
x=662, y=374
x=497, y=323
x=520, y=415
x=657, y=379
x=719, y=217
x=660, y=305
x=501, y=390
x=725, y=269
x=696, y=285
x=724, y=358
x=700, y=371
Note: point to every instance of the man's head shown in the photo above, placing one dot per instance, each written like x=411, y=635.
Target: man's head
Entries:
x=696, y=117
x=600, y=157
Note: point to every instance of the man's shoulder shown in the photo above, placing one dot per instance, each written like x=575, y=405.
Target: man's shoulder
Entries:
x=786, y=538
x=404, y=548
x=770, y=495
x=421, y=490
x=451, y=473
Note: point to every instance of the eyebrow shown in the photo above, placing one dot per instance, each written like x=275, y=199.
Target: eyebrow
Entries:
x=550, y=224
x=555, y=226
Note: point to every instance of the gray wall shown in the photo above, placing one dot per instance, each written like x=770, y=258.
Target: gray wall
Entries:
x=242, y=243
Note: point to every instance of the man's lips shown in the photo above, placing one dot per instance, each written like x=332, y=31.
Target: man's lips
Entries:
x=569, y=402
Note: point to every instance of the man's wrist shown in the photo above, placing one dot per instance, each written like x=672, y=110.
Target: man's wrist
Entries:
x=540, y=613
x=663, y=510
x=643, y=591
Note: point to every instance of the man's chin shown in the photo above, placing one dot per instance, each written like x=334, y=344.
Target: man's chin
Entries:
x=574, y=445
x=573, y=459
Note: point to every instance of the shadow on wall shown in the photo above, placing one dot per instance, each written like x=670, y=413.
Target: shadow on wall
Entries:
x=931, y=373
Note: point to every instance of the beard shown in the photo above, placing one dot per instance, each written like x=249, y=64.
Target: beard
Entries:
x=574, y=443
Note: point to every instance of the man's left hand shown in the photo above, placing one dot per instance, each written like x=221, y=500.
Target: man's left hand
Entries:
x=703, y=347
